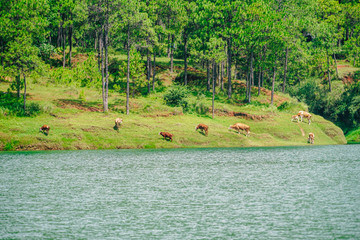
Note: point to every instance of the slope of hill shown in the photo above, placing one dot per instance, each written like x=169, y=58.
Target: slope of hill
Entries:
x=80, y=124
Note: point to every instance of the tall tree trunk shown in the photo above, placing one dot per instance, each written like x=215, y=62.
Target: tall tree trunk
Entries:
x=213, y=88
x=24, y=91
x=99, y=50
x=285, y=68
x=229, y=66
x=337, y=72
x=169, y=46
x=222, y=76
x=329, y=79
x=208, y=75
x=96, y=40
x=148, y=60
x=106, y=58
x=235, y=69
x=259, y=81
x=273, y=85
x=102, y=68
x=218, y=75
x=251, y=74
x=59, y=38
x=70, y=42
x=185, y=60
x=128, y=71
x=64, y=45
x=172, y=54
x=154, y=71
x=18, y=85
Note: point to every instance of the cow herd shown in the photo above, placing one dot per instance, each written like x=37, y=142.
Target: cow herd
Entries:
x=299, y=117
x=205, y=129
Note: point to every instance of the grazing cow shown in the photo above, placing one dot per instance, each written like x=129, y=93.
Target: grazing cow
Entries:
x=44, y=128
x=203, y=128
x=118, y=123
x=307, y=115
x=166, y=135
x=311, y=138
x=241, y=126
x=295, y=118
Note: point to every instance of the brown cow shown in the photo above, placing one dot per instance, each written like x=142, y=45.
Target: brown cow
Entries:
x=118, y=123
x=311, y=138
x=166, y=135
x=307, y=115
x=241, y=126
x=203, y=128
x=45, y=129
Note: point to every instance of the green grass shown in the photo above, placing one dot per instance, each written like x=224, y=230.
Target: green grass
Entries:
x=353, y=136
x=73, y=126
x=94, y=130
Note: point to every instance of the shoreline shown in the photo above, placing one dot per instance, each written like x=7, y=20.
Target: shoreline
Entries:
x=174, y=148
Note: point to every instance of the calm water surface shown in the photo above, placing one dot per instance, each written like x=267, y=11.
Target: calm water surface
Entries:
x=248, y=193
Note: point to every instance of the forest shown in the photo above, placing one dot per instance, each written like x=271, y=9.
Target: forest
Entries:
x=288, y=46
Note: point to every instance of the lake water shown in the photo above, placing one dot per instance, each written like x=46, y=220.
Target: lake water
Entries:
x=243, y=193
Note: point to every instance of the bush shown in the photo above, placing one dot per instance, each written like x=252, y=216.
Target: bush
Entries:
x=46, y=50
x=176, y=96
x=11, y=105
x=201, y=108
x=290, y=107
x=32, y=109
x=85, y=74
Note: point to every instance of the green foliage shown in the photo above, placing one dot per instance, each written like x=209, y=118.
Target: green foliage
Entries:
x=200, y=106
x=11, y=105
x=137, y=74
x=342, y=105
x=32, y=109
x=11, y=145
x=85, y=74
x=353, y=136
x=176, y=96
x=46, y=50
x=17, y=85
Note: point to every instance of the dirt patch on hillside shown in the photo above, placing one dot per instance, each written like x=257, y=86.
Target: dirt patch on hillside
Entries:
x=224, y=112
x=68, y=103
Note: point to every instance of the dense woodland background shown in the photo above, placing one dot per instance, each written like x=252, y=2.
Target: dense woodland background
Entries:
x=291, y=46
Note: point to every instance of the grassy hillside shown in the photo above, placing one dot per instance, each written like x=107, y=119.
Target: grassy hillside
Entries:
x=80, y=124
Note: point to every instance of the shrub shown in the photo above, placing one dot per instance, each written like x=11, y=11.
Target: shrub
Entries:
x=46, y=50
x=11, y=105
x=32, y=109
x=176, y=96
x=201, y=108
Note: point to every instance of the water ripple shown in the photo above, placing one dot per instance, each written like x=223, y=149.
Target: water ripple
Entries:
x=240, y=193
